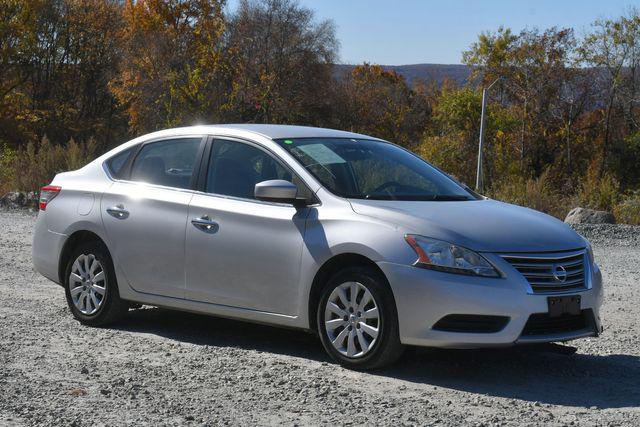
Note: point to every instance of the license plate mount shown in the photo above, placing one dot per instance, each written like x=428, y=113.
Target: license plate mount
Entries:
x=559, y=306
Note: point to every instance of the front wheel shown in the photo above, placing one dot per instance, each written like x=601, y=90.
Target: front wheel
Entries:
x=91, y=288
x=357, y=320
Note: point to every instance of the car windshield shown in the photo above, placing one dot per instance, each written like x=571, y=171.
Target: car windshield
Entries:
x=375, y=170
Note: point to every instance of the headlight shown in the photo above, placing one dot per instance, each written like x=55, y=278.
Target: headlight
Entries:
x=444, y=256
x=592, y=260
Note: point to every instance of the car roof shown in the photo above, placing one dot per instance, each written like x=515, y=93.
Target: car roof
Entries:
x=264, y=130
x=281, y=131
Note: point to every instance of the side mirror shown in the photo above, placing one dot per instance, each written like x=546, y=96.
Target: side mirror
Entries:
x=276, y=190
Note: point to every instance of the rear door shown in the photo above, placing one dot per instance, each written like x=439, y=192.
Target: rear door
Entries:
x=248, y=255
x=145, y=214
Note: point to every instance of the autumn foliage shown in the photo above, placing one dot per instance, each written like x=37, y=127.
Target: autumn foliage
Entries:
x=563, y=122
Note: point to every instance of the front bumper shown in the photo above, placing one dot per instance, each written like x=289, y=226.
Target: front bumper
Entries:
x=423, y=297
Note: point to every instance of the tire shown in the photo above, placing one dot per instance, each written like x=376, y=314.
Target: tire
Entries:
x=94, y=301
x=357, y=347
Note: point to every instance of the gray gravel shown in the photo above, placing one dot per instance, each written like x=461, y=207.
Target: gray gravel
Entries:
x=161, y=367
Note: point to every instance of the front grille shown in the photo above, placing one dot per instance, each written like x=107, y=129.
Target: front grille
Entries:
x=472, y=323
x=551, y=273
x=543, y=324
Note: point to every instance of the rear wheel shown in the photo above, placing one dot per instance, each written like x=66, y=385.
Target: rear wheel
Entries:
x=357, y=320
x=91, y=288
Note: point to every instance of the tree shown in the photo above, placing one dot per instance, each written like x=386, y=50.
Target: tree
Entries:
x=282, y=63
x=17, y=42
x=175, y=64
x=56, y=58
x=380, y=102
x=614, y=48
x=539, y=75
x=452, y=140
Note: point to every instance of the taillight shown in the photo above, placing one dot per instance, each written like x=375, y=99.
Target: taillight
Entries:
x=47, y=194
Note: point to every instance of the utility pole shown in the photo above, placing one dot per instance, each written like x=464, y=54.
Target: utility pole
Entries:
x=479, y=175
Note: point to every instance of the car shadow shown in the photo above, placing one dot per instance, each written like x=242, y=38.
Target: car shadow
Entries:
x=535, y=374
x=201, y=329
x=529, y=373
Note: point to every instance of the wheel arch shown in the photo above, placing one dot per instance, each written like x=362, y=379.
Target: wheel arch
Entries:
x=331, y=267
x=76, y=238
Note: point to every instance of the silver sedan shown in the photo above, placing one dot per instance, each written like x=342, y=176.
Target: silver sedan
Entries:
x=343, y=234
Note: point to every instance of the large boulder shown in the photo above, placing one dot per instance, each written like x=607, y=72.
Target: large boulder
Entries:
x=589, y=216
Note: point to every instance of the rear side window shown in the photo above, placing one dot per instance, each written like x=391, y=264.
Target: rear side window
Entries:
x=117, y=163
x=169, y=163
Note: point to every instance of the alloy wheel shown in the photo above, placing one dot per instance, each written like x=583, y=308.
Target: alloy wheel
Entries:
x=87, y=284
x=351, y=319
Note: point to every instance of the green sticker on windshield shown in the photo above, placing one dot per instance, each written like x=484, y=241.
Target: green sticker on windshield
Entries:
x=288, y=141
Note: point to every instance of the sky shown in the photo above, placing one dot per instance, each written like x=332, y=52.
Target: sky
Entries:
x=399, y=32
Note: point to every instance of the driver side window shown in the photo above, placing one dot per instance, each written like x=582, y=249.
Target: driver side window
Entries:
x=235, y=168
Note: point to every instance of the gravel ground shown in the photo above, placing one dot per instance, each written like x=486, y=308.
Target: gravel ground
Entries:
x=161, y=367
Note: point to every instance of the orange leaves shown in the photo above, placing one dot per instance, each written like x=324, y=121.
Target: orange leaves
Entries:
x=381, y=103
x=172, y=58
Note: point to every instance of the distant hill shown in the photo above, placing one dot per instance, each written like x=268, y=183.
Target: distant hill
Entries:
x=428, y=72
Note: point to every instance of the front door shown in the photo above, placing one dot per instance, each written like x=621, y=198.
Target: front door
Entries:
x=242, y=252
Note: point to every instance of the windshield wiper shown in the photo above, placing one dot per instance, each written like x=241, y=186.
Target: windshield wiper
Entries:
x=449, y=197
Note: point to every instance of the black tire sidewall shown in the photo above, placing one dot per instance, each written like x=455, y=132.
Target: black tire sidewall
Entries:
x=388, y=329
x=111, y=290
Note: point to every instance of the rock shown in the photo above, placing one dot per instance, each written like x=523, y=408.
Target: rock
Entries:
x=76, y=392
x=18, y=200
x=13, y=200
x=589, y=216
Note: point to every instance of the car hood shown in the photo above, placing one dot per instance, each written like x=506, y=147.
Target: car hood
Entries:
x=481, y=225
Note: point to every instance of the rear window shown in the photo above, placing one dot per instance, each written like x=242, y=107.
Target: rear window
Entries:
x=169, y=163
x=117, y=163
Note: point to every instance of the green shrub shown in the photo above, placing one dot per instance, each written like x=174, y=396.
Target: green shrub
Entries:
x=628, y=212
x=599, y=192
x=76, y=155
x=535, y=193
x=29, y=168
x=7, y=169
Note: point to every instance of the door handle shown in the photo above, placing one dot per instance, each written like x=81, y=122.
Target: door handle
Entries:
x=205, y=224
x=118, y=212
